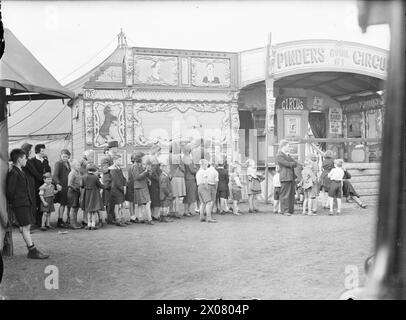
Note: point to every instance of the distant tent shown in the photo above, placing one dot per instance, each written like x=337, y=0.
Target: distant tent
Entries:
x=40, y=121
x=27, y=80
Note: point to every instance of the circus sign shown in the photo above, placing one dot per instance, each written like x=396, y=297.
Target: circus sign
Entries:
x=291, y=103
x=328, y=55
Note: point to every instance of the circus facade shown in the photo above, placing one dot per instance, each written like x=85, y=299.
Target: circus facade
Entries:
x=326, y=94
x=141, y=97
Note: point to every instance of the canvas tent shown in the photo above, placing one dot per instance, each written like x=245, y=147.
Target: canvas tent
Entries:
x=40, y=121
x=27, y=80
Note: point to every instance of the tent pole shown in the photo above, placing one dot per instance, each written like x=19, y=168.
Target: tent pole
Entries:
x=6, y=240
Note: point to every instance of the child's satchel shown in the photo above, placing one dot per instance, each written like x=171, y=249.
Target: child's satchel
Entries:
x=255, y=185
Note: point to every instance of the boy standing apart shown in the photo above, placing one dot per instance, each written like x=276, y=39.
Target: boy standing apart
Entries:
x=20, y=200
x=336, y=176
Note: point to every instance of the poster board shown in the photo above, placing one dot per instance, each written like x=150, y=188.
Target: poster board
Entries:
x=335, y=117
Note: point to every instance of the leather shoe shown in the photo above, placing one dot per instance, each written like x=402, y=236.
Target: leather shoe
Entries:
x=36, y=254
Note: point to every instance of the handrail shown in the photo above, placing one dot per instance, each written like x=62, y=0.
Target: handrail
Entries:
x=337, y=140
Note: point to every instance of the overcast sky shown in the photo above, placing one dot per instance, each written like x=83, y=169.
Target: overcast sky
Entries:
x=65, y=35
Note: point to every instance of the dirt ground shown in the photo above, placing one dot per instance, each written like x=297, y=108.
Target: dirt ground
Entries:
x=262, y=256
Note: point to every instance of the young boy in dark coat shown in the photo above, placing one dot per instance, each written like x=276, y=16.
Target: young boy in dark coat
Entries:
x=19, y=198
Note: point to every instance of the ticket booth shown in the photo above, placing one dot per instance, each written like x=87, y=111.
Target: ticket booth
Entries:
x=292, y=122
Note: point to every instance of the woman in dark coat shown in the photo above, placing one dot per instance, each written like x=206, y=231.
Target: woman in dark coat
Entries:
x=328, y=164
x=33, y=176
x=60, y=177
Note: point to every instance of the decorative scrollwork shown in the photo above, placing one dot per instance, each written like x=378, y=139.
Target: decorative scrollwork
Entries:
x=129, y=66
x=88, y=124
x=89, y=93
x=235, y=122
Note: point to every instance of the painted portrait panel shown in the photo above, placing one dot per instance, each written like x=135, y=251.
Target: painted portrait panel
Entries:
x=210, y=72
x=155, y=70
x=108, y=123
x=292, y=126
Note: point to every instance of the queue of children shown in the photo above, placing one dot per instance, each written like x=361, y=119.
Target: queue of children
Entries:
x=154, y=188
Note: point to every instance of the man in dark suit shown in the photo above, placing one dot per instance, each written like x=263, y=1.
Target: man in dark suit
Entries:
x=110, y=151
x=19, y=198
x=287, y=178
x=41, y=165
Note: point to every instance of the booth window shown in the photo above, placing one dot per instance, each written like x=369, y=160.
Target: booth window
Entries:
x=354, y=121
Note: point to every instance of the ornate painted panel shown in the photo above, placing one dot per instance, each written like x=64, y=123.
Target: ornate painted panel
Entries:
x=109, y=124
x=156, y=70
x=208, y=72
x=163, y=122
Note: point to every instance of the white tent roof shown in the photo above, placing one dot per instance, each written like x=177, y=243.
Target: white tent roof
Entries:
x=41, y=117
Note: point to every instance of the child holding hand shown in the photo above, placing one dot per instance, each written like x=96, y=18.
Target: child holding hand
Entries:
x=46, y=193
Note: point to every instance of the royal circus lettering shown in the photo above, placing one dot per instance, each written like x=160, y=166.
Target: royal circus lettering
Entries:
x=300, y=56
x=369, y=60
x=328, y=56
x=292, y=104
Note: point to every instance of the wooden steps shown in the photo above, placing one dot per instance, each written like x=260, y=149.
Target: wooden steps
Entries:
x=365, y=179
